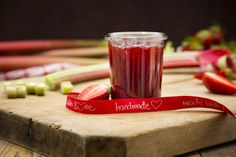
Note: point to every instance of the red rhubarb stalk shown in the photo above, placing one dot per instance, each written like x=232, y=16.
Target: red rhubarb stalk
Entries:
x=212, y=56
x=19, y=62
x=180, y=63
x=19, y=47
x=78, y=52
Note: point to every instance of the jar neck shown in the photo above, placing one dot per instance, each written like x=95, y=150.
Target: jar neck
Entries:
x=136, y=37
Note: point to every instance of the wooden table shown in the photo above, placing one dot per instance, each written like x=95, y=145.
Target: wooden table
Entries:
x=43, y=124
x=8, y=149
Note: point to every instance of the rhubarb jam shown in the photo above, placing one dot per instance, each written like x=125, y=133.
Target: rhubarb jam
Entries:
x=136, y=64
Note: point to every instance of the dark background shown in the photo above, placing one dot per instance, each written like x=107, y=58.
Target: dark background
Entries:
x=49, y=19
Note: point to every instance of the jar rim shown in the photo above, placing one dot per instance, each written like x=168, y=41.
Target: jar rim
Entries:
x=136, y=36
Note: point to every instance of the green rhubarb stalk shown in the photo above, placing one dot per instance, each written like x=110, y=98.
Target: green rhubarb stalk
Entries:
x=77, y=74
x=66, y=87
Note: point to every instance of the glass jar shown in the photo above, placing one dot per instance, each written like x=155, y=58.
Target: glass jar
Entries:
x=136, y=64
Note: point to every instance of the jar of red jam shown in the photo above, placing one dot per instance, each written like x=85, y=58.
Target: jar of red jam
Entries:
x=136, y=64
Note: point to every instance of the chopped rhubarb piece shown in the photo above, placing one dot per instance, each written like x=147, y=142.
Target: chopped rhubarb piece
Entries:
x=66, y=87
x=40, y=89
x=21, y=91
x=30, y=87
x=10, y=92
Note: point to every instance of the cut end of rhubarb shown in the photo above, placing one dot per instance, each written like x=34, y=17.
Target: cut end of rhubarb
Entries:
x=21, y=91
x=40, y=89
x=11, y=92
x=30, y=87
x=66, y=87
x=50, y=82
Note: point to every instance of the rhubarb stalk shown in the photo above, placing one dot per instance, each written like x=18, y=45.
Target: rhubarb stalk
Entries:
x=78, y=52
x=17, y=62
x=77, y=74
x=27, y=47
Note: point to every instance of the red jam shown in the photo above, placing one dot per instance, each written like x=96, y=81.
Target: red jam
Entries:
x=136, y=71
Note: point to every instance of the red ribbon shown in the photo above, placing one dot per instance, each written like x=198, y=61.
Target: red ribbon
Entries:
x=142, y=104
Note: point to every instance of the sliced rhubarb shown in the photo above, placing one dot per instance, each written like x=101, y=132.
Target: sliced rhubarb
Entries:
x=21, y=91
x=40, y=89
x=66, y=87
x=30, y=87
x=10, y=92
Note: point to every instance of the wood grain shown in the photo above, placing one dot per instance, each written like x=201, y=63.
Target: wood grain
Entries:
x=226, y=150
x=194, y=154
x=8, y=149
x=223, y=150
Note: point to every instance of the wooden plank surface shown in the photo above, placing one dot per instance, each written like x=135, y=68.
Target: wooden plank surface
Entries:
x=8, y=149
x=226, y=150
x=223, y=150
x=44, y=125
x=195, y=154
